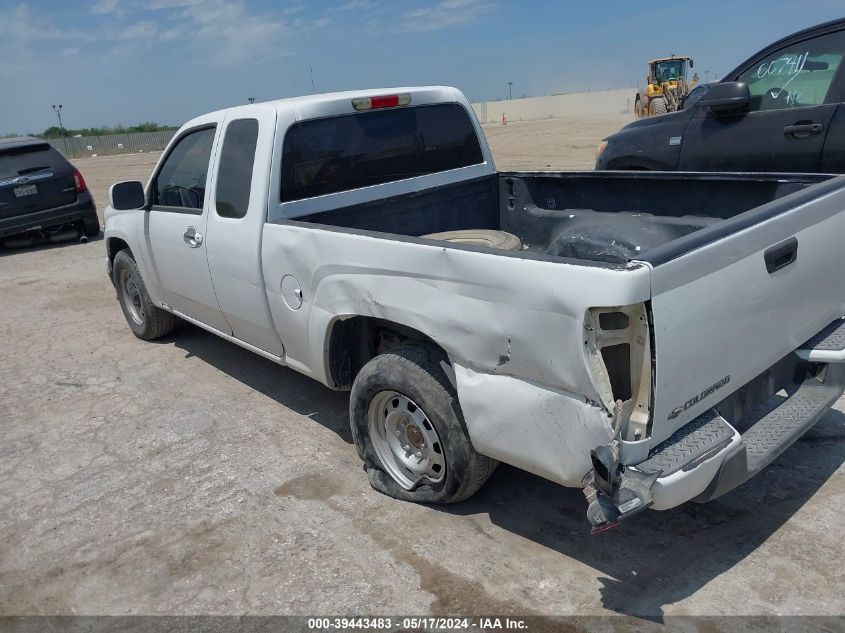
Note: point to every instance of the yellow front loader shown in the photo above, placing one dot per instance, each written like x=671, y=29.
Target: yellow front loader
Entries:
x=667, y=86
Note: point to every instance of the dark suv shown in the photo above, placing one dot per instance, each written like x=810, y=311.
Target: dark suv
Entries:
x=40, y=189
x=780, y=110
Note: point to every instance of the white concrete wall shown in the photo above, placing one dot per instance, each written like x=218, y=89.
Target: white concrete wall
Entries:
x=598, y=103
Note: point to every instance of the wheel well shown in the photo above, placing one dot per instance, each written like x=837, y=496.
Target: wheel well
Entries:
x=115, y=245
x=355, y=341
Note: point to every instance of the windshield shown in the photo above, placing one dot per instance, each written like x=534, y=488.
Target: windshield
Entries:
x=669, y=70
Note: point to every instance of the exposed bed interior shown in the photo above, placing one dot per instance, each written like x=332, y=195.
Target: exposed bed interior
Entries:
x=595, y=216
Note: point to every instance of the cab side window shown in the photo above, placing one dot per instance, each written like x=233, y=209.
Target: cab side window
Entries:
x=180, y=182
x=797, y=76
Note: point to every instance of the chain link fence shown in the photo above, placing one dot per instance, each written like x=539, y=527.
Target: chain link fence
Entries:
x=79, y=146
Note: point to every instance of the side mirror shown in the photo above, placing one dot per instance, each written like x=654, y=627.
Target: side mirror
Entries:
x=727, y=97
x=691, y=63
x=128, y=195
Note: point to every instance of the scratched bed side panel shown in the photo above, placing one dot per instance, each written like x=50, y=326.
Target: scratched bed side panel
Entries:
x=493, y=313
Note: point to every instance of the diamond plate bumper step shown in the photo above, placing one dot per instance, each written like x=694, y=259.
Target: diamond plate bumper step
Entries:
x=775, y=431
x=690, y=445
x=828, y=346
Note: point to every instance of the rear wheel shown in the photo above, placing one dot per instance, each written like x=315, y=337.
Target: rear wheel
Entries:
x=146, y=320
x=409, y=430
x=91, y=225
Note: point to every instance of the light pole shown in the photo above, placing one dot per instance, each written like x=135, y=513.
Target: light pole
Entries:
x=58, y=111
x=510, y=90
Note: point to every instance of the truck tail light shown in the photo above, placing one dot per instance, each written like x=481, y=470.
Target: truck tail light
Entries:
x=381, y=101
x=79, y=181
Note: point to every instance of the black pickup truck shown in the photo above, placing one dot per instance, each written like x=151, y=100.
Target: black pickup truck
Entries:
x=781, y=110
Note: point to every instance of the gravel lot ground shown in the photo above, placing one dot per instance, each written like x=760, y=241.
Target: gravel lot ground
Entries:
x=189, y=476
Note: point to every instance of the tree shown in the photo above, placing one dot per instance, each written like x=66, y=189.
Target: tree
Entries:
x=147, y=126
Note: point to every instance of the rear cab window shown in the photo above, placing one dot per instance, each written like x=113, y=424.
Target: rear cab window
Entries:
x=350, y=151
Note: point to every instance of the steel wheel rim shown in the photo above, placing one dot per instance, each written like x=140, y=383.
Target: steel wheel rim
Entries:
x=132, y=296
x=405, y=440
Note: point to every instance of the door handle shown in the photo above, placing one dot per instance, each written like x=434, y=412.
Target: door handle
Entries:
x=192, y=237
x=781, y=255
x=803, y=130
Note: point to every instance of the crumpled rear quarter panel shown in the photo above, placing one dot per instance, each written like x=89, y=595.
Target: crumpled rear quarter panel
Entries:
x=495, y=315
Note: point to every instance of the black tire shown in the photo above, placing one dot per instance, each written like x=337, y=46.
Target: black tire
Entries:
x=418, y=373
x=146, y=320
x=658, y=107
x=91, y=225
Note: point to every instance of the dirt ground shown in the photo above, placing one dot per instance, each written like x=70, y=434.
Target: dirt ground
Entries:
x=190, y=476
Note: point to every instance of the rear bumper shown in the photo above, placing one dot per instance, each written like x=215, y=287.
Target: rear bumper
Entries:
x=727, y=445
x=83, y=207
x=769, y=437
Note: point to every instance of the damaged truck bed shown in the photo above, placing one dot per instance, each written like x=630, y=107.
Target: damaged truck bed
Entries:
x=652, y=349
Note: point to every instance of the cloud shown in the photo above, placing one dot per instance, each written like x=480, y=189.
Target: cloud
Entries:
x=31, y=43
x=20, y=25
x=446, y=14
x=230, y=34
x=144, y=29
x=103, y=7
x=357, y=5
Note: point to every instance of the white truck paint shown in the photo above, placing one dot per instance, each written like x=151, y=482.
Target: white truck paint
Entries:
x=552, y=355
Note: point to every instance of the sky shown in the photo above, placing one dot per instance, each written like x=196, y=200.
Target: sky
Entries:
x=111, y=62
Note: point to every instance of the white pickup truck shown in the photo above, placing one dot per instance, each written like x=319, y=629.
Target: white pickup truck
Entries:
x=651, y=337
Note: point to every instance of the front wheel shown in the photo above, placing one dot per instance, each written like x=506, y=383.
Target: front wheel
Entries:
x=409, y=430
x=146, y=320
x=657, y=107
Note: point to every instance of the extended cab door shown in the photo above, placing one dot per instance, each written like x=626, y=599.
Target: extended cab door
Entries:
x=238, y=210
x=732, y=299
x=791, y=109
x=174, y=228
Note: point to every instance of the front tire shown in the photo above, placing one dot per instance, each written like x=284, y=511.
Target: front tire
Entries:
x=409, y=429
x=658, y=107
x=146, y=320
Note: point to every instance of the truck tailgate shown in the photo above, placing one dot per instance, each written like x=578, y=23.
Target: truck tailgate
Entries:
x=730, y=300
